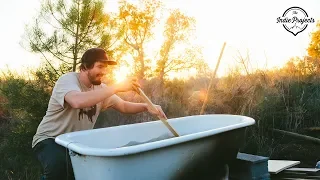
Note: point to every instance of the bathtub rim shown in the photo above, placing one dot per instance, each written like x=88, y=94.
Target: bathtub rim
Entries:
x=82, y=149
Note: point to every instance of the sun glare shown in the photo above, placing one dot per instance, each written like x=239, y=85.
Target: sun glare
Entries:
x=121, y=74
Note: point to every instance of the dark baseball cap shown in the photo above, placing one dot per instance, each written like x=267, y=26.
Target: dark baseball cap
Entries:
x=97, y=54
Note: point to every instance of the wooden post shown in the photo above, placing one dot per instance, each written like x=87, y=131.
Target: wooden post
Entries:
x=299, y=136
x=210, y=84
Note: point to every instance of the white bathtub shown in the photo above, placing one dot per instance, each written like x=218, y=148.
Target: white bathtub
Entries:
x=206, y=144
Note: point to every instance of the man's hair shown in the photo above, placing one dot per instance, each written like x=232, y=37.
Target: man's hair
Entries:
x=94, y=55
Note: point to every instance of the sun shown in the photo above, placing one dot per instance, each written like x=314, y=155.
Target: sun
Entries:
x=121, y=74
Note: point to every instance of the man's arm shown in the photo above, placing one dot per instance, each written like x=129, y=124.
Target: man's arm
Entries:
x=86, y=99
x=78, y=99
x=132, y=108
x=129, y=107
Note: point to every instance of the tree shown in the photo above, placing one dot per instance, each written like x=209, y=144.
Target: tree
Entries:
x=63, y=30
x=138, y=21
x=314, y=46
x=178, y=30
x=300, y=68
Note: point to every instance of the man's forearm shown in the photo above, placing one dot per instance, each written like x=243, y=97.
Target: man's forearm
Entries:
x=89, y=98
x=132, y=108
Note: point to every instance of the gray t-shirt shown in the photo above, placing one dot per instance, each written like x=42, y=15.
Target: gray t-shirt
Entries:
x=61, y=118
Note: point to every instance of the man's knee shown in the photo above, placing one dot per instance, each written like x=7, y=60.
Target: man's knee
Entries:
x=55, y=161
x=55, y=169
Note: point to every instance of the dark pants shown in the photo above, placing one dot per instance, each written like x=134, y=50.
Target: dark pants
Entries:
x=54, y=159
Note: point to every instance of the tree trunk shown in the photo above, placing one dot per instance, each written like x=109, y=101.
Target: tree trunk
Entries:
x=161, y=83
x=75, y=50
x=141, y=60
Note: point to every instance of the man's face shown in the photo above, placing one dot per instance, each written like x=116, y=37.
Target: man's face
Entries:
x=96, y=74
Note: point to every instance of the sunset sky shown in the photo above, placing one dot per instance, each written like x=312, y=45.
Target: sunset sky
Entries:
x=242, y=25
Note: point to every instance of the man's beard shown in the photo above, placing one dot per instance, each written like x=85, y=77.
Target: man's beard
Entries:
x=93, y=79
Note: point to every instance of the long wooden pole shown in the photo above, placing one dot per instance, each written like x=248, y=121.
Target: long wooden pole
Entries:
x=151, y=105
x=210, y=84
x=299, y=136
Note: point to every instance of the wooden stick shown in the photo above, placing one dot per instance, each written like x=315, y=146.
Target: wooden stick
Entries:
x=151, y=105
x=299, y=136
x=210, y=84
x=312, y=129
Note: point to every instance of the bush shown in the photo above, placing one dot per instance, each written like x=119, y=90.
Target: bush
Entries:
x=26, y=100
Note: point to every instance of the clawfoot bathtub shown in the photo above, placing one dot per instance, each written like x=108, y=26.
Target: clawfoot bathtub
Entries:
x=207, y=143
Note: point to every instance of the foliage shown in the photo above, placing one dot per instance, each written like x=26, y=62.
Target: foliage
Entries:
x=138, y=22
x=178, y=30
x=63, y=30
x=314, y=45
x=26, y=103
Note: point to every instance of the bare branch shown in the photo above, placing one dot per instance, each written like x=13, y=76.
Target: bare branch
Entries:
x=134, y=46
x=48, y=49
x=50, y=22
x=58, y=52
x=242, y=61
x=51, y=11
x=89, y=26
x=39, y=50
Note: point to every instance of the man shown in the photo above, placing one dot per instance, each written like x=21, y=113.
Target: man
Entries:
x=75, y=104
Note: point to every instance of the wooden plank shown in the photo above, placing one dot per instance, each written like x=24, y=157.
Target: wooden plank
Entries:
x=297, y=179
x=276, y=166
x=305, y=170
x=291, y=175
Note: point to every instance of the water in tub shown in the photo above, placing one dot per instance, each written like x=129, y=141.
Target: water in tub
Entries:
x=162, y=137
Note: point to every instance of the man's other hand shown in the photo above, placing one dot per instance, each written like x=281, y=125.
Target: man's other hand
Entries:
x=130, y=84
x=159, y=111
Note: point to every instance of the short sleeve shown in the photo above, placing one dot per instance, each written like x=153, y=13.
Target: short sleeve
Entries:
x=65, y=84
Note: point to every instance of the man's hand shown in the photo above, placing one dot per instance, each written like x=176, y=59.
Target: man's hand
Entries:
x=130, y=84
x=159, y=111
